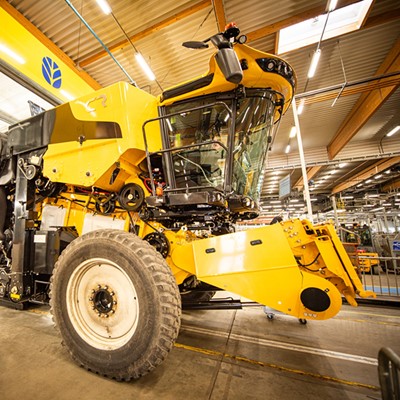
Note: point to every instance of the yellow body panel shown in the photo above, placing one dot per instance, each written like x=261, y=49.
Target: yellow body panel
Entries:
x=85, y=163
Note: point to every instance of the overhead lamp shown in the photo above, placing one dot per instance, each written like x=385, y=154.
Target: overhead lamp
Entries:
x=142, y=62
x=378, y=176
x=314, y=63
x=393, y=131
x=332, y=5
x=105, y=7
x=341, y=165
x=368, y=181
x=293, y=131
x=16, y=57
x=287, y=150
x=300, y=108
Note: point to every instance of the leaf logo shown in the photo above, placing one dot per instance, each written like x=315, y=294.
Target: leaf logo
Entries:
x=51, y=72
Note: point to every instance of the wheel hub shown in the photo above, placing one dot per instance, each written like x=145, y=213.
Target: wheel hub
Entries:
x=103, y=301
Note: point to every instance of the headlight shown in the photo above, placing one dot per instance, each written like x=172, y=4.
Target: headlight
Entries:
x=277, y=66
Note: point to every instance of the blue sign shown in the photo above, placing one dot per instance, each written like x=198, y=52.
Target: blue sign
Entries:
x=396, y=245
x=51, y=72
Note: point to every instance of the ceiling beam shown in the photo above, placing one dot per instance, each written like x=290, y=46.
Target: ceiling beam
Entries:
x=372, y=170
x=220, y=14
x=391, y=186
x=295, y=19
x=14, y=13
x=311, y=172
x=366, y=105
x=146, y=32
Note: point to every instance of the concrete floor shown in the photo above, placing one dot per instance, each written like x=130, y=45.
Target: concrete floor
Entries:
x=238, y=354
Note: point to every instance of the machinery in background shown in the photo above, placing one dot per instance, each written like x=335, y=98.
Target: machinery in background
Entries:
x=118, y=206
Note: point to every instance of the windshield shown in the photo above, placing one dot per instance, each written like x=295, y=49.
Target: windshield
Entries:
x=204, y=148
x=205, y=131
x=254, y=122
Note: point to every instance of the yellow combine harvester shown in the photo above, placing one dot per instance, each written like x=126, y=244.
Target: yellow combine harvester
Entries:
x=118, y=204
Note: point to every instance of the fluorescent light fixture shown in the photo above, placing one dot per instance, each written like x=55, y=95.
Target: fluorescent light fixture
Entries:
x=105, y=7
x=347, y=197
x=333, y=171
x=341, y=165
x=142, y=62
x=388, y=171
x=169, y=124
x=368, y=181
x=287, y=149
x=293, y=200
x=293, y=131
x=386, y=204
x=300, y=108
x=341, y=21
x=377, y=209
x=332, y=5
x=16, y=57
x=359, y=185
x=67, y=95
x=372, y=195
x=378, y=176
x=393, y=131
x=314, y=63
x=275, y=202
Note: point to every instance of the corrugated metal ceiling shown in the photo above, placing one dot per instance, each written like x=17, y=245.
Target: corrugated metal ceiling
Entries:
x=361, y=52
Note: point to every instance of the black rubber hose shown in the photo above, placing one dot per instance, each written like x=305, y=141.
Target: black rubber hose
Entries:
x=3, y=211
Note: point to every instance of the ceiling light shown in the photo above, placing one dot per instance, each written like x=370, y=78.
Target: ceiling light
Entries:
x=347, y=197
x=16, y=57
x=314, y=63
x=105, y=7
x=300, y=108
x=386, y=204
x=275, y=202
x=393, y=131
x=169, y=125
x=372, y=195
x=287, y=149
x=368, y=181
x=341, y=165
x=377, y=209
x=378, y=176
x=293, y=131
x=142, y=62
x=333, y=171
x=388, y=171
x=332, y=5
x=359, y=185
x=293, y=200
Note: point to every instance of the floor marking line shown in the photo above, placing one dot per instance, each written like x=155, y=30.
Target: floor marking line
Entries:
x=287, y=346
x=275, y=366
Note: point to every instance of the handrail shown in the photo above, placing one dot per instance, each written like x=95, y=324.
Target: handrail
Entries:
x=388, y=370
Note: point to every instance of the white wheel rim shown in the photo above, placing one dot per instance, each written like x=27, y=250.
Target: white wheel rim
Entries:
x=102, y=304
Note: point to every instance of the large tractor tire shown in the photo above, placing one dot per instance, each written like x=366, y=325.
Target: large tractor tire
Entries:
x=116, y=304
